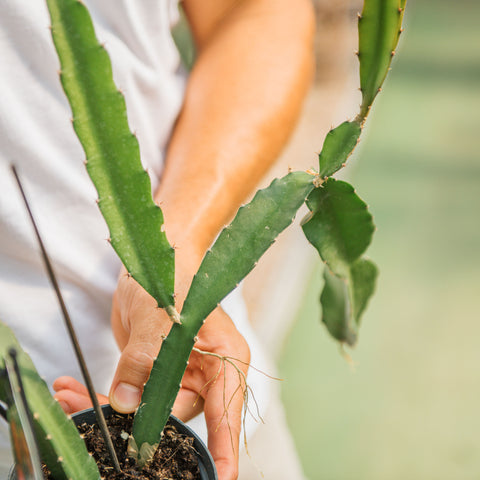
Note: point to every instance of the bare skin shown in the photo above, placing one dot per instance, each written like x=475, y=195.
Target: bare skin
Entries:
x=244, y=94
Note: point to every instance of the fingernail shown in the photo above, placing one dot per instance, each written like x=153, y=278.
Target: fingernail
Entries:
x=126, y=398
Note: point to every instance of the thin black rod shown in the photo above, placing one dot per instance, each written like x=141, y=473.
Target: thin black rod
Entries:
x=3, y=409
x=68, y=323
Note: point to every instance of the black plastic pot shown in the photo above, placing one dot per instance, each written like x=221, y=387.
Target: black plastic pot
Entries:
x=205, y=460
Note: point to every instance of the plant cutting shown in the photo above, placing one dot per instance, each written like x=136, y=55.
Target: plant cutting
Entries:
x=339, y=226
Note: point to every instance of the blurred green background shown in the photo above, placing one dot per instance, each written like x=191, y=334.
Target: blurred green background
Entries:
x=410, y=408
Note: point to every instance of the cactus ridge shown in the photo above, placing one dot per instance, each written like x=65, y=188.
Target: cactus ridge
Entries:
x=379, y=28
x=56, y=434
x=113, y=155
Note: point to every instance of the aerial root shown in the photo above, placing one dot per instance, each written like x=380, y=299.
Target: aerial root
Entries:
x=243, y=387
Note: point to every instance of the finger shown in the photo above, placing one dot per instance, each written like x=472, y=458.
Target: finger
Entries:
x=69, y=383
x=188, y=405
x=223, y=414
x=137, y=358
x=72, y=401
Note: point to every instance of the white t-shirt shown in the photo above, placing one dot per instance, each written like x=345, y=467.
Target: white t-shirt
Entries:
x=36, y=135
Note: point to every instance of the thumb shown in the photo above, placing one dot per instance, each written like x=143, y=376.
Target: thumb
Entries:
x=136, y=360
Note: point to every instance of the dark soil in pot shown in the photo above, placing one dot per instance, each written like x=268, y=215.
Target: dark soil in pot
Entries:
x=181, y=455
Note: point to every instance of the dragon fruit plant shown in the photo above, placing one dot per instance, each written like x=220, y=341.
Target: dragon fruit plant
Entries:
x=338, y=225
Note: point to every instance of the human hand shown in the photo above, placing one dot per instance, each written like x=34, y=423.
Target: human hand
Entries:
x=208, y=382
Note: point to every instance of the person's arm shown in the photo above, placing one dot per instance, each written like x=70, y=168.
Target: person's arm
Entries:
x=254, y=66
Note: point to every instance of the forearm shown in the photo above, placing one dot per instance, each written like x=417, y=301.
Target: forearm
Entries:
x=243, y=97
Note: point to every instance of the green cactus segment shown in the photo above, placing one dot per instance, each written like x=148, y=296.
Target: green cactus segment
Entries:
x=61, y=447
x=335, y=309
x=112, y=151
x=243, y=242
x=230, y=259
x=363, y=277
x=339, y=225
x=339, y=144
x=344, y=300
x=161, y=389
x=379, y=29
